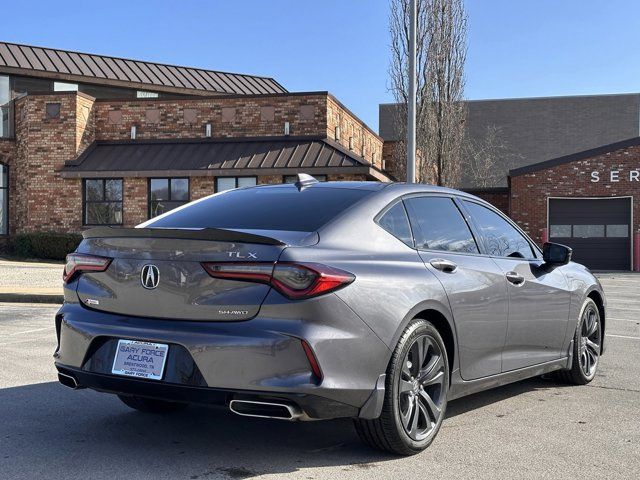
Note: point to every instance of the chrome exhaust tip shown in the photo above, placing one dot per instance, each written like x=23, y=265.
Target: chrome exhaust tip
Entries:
x=260, y=409
x=68, y=381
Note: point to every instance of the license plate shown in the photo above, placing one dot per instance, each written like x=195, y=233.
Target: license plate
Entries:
x=140, y=359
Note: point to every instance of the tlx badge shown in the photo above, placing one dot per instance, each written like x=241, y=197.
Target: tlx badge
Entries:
x=240, y=255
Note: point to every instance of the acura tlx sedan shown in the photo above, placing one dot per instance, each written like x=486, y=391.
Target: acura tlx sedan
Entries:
x=374, y=301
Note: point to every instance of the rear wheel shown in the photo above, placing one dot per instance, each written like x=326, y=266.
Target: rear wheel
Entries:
x=151, y=405
x=586, y=346
x=416, y=389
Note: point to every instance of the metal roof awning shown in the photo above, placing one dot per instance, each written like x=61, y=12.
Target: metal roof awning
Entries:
x=122, y=72
x=218, y=157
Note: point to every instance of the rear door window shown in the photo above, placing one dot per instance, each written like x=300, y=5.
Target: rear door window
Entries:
x=438, y=225
x=395, y=222
x=501, y=238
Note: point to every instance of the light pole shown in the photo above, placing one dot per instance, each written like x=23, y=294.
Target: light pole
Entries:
x=411, y=107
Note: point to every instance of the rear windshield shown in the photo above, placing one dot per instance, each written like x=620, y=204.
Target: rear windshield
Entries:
x=273, y=208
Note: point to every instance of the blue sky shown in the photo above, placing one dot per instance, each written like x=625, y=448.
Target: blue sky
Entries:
x=517, y=48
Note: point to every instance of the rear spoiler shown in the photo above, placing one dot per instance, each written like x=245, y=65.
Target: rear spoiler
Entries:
x=217, y=234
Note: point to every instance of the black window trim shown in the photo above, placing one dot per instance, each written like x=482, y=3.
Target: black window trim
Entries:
x=470, y=220
x=215, y=182
x=6, y=167
x=383, y=212
x=84, y=202
x=169, y=186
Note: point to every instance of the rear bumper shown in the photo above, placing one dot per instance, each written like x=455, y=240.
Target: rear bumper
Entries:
x=213, y=362
x=314, y=406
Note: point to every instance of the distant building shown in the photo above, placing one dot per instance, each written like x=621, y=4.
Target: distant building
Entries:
x=95, y=140
x=570, y=172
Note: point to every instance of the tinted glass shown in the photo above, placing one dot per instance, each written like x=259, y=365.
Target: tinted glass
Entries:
x=225, y=183
x=395, y=222
x=247, y=182
x=113, y=190
x=502, y=239
x=4, y=199
x=4, y=106
x=103, y=202
x=272, y=208
x=179, y=189
x=93, y=190
x=159, y=188
x=167, y=194
x=619, y=231
x=588, y=231
x=438, y=225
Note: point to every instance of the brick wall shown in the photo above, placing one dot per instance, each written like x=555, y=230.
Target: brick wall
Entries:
x=45, y=201
x=529, y=192
x=316, y=114
x=40, y=199
x=353, y=133
x=497, y=198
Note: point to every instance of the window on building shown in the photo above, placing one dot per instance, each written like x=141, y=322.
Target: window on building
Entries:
x=294, y=178
x=560, y=231
x=65, y=87
x=502, y=238
x=166, y=194
x=143, y=94
x=5, y=96
x=438, y=225
x=4, y=199
x=103, y=201
x=588, y=231
x=396, y=222
x=228, y=183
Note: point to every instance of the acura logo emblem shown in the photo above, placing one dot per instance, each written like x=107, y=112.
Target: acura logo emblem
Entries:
x=150, y=277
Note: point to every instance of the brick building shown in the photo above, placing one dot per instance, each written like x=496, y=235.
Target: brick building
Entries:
x=569, y=170
x=93, y=140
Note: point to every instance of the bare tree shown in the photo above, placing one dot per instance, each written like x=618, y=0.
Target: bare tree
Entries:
x=440, y=113
x=486, y=159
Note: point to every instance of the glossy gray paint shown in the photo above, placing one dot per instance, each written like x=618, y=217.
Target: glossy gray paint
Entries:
x=500, y=332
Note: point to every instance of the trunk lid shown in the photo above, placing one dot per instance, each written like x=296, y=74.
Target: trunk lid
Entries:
x=183, y=289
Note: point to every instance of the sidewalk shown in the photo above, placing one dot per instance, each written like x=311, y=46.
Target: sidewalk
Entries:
x=30, y=281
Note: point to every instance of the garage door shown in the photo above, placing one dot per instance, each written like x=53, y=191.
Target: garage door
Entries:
x=598, y=230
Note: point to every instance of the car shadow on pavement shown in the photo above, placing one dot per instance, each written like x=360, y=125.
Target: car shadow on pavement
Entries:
x=488, y=397
x=47, y=430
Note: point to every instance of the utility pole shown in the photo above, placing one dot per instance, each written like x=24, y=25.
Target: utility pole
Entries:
x=411, y=108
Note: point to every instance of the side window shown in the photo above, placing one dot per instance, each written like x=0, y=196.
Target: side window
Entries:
x=438, y=225
x=502, y=239
x=395, y=222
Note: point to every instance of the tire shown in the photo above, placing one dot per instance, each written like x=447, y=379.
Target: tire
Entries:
x=151, y=405
x=409, y=421
x=587, y=343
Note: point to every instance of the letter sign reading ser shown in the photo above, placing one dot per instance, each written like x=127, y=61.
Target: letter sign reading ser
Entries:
x=616, y=176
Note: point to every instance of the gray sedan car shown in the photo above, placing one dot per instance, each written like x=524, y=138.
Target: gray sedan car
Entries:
x=378, y=302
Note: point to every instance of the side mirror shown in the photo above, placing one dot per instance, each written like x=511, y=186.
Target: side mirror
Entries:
x=556, y=254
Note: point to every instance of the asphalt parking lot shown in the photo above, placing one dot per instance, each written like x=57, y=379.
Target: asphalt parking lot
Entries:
x=530, y=430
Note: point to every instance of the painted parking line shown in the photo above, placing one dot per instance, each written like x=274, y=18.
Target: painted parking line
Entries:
x=622, y=336
x=29, y=331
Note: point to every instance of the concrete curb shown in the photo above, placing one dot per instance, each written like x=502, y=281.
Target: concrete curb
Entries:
x=31, y=298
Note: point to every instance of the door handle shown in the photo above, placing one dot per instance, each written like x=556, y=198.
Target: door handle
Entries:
x=443, y=265
x=515, y=278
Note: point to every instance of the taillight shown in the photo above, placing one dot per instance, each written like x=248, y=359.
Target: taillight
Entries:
x=78, y=263
x=294, y=280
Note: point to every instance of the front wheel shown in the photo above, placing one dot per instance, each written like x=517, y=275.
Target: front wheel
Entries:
x=416, y=389
x=587, y=344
